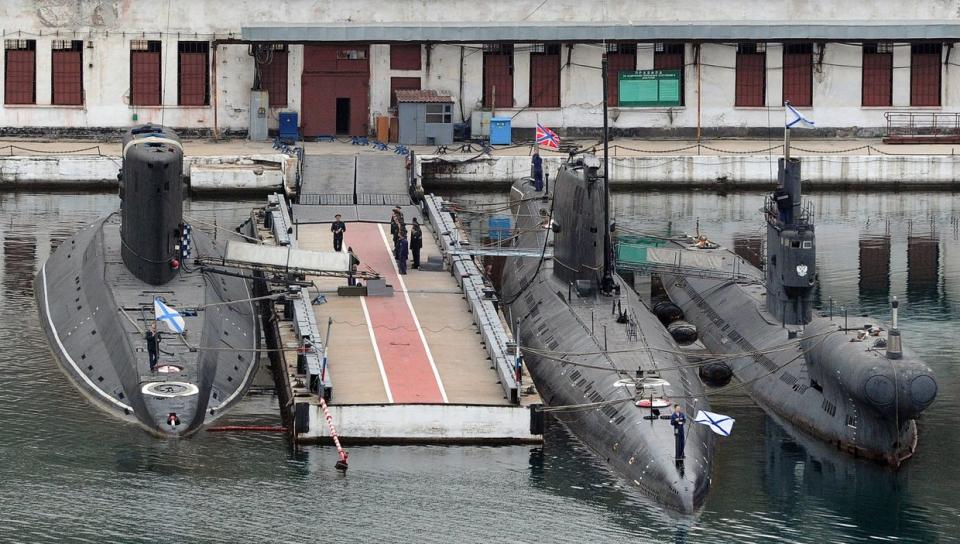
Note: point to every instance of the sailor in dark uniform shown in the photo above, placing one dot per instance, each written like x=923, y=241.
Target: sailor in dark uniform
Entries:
x=416, y=242
x=153, y=346
x=678, y=420
x=536, y=164
x=402, y=252
x=354, y=263
x=338, y=227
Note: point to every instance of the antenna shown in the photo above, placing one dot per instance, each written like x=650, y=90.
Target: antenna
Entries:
x=606, y=284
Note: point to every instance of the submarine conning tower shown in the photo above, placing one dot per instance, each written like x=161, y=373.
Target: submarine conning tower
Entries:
x=578, y=223
x=151, y=202
x=791, y=248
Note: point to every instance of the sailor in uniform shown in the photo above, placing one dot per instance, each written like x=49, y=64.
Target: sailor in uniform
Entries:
x=153, y=345
x=677, y=420
x=338, y=227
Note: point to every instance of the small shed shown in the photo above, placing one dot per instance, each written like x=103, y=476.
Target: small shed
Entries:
x=426, y=117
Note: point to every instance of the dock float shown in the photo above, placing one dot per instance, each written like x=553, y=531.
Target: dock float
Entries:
x=424, y=357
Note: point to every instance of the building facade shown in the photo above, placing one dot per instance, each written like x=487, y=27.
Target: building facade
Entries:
x=99, y=65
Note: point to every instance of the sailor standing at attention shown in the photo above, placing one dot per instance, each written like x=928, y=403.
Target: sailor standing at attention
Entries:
x=338, y=227
x=402, y=252
x=416, y=242
x=153, y=345
x=678, y=419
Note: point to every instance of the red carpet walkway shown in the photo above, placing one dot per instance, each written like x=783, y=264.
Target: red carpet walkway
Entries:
x=409, y=373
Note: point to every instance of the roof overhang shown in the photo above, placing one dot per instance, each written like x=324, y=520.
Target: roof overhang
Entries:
x=726, y=31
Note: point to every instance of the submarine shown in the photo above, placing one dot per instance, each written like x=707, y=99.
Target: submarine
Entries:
x=98, y=291
x=600, y=360
x=849, y=381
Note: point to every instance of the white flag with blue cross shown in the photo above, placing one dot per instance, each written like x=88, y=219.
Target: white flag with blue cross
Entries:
x=168, y=315
x=718, y=423
x=795, y=118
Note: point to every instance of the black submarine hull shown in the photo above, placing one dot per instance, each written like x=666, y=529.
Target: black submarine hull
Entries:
x=95, y=311
x=578, y=353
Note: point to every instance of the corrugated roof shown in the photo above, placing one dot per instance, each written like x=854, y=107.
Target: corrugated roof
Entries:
x=425, y=95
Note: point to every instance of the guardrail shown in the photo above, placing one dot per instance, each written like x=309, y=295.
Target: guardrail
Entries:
x=921, y=126
x=470, y=279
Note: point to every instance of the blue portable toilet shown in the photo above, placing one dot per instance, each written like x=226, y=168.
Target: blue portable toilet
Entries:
x=500, y=133
x=288, y=126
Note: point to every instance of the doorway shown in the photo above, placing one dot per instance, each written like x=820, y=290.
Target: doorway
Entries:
x=343, y=116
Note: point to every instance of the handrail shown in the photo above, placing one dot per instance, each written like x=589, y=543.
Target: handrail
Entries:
x=922, y=123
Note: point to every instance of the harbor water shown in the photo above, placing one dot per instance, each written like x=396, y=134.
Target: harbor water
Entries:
x=69, y=473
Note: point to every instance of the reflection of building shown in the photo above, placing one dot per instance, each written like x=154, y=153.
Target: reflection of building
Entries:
x=750, y=247
x=923, y=265
x=19, y=258
x=104, y=64
x=875, y=266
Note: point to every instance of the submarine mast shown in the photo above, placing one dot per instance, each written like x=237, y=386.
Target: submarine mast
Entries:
x=791, y=249
x=606, y=283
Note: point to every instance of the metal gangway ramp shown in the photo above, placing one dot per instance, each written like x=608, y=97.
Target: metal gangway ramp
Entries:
x=361, y=187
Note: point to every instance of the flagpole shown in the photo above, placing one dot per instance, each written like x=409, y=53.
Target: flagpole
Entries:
x=786, y=133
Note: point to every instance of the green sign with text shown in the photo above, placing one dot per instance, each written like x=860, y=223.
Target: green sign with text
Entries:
x=646, y=88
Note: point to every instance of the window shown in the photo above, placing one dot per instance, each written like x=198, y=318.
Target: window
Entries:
x=145, y=73
x=402, y=84
x=925, y=74
x=669, y=56
x=498, y=75
x=67, y=73
x=877, y=79
x=405, y=57
x=193, y=84
x=807, y=244
x=20, y=77
x=798, y=74
x=751, y=83
x=621, y=57
x=351, y=54
x=545, y=76
x=273, y=73
x=439, y=113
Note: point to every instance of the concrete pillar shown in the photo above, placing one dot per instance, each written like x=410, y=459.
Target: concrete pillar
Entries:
x=901, y=75
x=379, y=81
x=44, y=71
x=169, y=70
x=294, y=77
x=521, y=74
x=774, y=75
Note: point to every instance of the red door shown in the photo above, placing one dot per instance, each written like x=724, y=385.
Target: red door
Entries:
x=336, y=86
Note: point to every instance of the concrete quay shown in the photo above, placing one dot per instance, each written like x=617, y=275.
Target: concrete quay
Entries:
x=237, y=165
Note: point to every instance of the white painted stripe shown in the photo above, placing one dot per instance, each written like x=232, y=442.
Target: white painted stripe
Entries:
x=56, y=336
x=413, y=313
x=376, y=350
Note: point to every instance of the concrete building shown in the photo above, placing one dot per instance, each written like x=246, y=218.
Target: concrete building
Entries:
x=97, y=65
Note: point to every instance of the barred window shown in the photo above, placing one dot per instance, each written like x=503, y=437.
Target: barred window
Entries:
x=145, y=72
x=67, y=72
x=621, y=57
x=273, y=75
x=20, y=72
x=925, y=59
x=877, y=78
x=498, y=75
x=545, y=76
x=751, y=78
x=798, y=74
x=193, y=83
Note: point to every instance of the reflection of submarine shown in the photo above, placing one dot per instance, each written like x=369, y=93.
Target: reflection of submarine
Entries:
x=96, y=299
x=586, y=338
x=803, y=475
x=848, y=381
